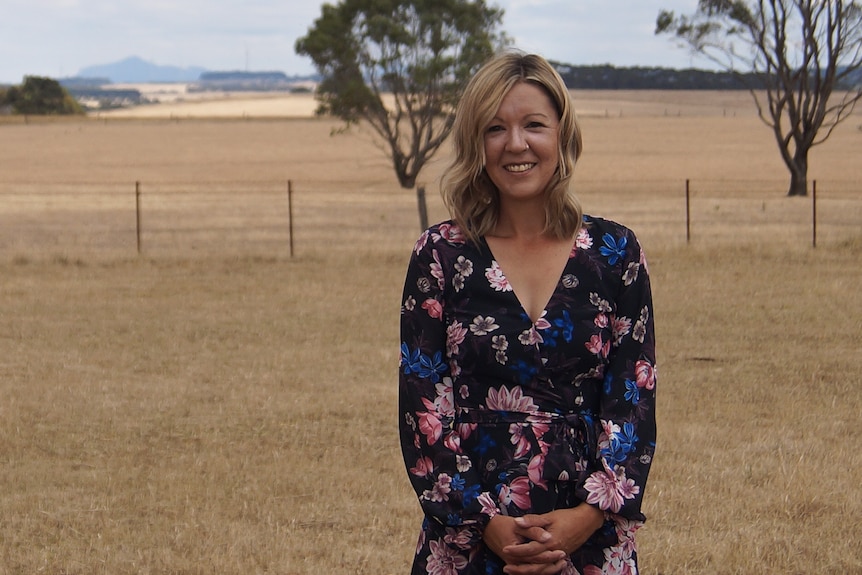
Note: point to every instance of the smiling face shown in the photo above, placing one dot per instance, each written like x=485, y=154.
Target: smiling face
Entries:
x=522, y=143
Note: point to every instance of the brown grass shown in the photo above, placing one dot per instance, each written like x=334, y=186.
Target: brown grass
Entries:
x=194, y=411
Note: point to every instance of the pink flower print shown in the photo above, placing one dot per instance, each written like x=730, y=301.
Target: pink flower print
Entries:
x=445, y=400
x=429, y=422
x=535, y=469
x=645, y=374
x=599, y=302
x=460, y=538
x=454, y=367
x=409, y=303
x=433, y=307
x=483, y=325
x=452, y=441
x=609, y=488
x=618, y=561
x=463, y=463
x=631, y=273
x=601, y=320
x=517, y=492
x=495, y=277
x=451, y=233
x=626, y=529
x=584, y=240
x=424, y=466
x=519, y=440
x=463, y=266
x=530, y=337
x=504, y=400
x=420, y=243
x=437, y=270
x=489, y=508
x=620, y=326
x=602, y=491
x=441, y=489
x=542, y=323
x=465, y=430
x=455, y=334
x=639, y=331
x=444, y=559
x=464, y=391
x=597, y=346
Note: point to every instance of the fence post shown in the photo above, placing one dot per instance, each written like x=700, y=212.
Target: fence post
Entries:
x=138, y=214
x=814, y=214
x=687, y=211
x=423, y=207
x=290, y=215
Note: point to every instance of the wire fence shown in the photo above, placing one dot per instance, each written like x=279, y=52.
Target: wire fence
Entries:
x=286, y=218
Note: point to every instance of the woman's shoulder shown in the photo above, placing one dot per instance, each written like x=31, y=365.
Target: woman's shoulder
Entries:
x=446, y=235
x=598, y=227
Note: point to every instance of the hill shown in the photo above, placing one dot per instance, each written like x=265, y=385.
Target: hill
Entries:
x=136, y=70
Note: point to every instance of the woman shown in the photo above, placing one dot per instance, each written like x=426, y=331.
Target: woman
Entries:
x=527, y=377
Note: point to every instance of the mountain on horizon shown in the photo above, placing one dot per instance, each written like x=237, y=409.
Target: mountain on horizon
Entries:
x=134, y=70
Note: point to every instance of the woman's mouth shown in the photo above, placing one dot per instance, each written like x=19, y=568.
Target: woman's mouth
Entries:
x=517, y=168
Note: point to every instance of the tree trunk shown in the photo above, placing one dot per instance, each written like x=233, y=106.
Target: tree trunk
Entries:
x=423, y=208
x=799, y=174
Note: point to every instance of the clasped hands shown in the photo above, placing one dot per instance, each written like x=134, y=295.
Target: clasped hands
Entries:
x=540, y=544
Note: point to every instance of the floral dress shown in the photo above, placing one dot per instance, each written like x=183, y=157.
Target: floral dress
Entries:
x=500, y=414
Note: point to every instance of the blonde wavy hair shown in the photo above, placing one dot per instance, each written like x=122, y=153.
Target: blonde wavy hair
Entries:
x=468, y=193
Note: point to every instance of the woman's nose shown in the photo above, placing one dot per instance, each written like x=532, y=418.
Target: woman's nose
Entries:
x=516, y=141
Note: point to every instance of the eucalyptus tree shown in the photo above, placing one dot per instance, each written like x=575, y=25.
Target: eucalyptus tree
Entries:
x=399, y=67
x=805, y=54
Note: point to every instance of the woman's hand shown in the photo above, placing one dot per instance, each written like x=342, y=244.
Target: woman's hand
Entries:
x=503, y=534
x=543, y=542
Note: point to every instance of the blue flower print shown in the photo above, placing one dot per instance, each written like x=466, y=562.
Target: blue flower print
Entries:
x=432, y=367
x=486, y=442
x=457, y=483
x=621, y=444
x=422, y=365
x=525, y=370
x=565, y=324
x=453, y=520
x=472, y=493
x=613, y=249
x=409, y=359
x=632, y=393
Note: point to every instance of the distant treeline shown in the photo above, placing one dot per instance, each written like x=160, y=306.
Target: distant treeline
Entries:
x=609, y=77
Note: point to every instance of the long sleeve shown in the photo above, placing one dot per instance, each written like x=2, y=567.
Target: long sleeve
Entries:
x=627, y=433
x=441, y=474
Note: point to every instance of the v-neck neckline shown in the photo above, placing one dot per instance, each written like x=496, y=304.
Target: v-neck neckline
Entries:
x=514, y=292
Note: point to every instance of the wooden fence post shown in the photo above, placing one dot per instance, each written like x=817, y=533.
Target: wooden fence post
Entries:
x=423, y=208
x=290, y=215
x=814, y=214
x=687, y=211
x=138, y=214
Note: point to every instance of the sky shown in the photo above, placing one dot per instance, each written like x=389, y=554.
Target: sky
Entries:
x=58, y=38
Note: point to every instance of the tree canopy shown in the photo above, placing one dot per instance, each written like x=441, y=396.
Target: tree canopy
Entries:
x=40, y=96
x=399, y=65
x=801, y=51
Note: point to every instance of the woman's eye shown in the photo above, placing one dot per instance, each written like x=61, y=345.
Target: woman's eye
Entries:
x=535, y=125
x=495, y=128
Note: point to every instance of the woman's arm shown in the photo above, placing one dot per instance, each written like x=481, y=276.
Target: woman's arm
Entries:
x=442, y=475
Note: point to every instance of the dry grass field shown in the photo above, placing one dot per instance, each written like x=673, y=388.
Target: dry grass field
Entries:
x=215, y=406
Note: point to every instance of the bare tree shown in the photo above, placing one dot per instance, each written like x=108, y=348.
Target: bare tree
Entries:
x=399, y=66
x=807, y=55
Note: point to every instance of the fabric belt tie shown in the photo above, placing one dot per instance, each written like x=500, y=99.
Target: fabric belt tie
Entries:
x=567, y=440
